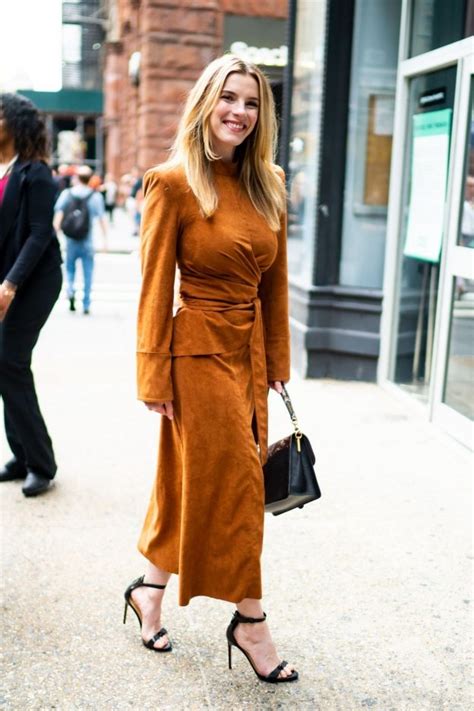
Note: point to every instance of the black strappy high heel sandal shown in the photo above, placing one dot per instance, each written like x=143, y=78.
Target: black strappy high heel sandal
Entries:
x=138, y=583
x=273, y=677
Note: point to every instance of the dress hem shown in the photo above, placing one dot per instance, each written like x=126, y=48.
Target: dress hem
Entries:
x=184, y=601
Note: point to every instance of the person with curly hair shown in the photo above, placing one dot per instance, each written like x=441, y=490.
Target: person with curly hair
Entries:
x=30, y=283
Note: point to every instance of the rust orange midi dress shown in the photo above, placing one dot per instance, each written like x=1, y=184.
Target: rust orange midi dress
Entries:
x=214, y=358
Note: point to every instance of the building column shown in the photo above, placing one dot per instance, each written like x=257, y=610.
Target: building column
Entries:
x=113, y=88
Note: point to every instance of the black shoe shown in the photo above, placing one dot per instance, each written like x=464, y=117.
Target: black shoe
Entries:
x=13, y=470
x=35, y=484
x=150, y=644
x=72, y=303
x=86, y=312
x=274, y=676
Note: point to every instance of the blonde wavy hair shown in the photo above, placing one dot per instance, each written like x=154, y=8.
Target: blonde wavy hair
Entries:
x=192, y=147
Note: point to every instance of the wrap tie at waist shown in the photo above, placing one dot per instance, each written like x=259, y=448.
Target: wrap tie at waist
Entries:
x=207, y=327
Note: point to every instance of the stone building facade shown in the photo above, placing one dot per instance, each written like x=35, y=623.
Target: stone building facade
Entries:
x=155, y=51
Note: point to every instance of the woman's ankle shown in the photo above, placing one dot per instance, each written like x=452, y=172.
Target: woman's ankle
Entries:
x=251, y=608
x=155, y=575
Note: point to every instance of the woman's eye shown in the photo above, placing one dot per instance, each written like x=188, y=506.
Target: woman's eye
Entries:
x=226, y=97
x=253, y=104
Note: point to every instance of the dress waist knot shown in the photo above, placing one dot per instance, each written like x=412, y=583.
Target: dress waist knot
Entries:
x=210, y=326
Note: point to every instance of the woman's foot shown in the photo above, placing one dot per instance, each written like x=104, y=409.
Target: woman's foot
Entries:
x=257, y=642
x=148, y=603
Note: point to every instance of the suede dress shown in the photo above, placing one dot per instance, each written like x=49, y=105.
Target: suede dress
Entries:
x=213, y=359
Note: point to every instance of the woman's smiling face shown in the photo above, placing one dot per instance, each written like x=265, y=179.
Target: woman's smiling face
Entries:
x=235, y=114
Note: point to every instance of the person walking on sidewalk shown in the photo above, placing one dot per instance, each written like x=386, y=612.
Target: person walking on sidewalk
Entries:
x=30, y=283
x=82, y=248
x=109, y=191
x=218, y=209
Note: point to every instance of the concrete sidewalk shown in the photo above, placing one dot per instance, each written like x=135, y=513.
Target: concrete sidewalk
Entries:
x=367, y=590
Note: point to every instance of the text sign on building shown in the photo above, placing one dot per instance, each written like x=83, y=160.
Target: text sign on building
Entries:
x=429, y=172
x=276, y=57
x=260, y=40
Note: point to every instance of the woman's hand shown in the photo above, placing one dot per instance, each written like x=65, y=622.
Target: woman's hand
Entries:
x=7, y=294
x=163, y=408
x=276, y=385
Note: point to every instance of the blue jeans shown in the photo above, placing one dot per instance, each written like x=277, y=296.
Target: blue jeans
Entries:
x=83, y=250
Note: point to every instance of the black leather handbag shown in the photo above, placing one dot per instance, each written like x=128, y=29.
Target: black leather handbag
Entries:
x=290, y=479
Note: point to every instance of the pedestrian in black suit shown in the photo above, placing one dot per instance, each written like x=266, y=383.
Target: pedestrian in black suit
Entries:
x=30, y=283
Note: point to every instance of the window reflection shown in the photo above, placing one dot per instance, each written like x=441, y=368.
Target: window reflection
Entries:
x=459, y=386
x=436, y=23
x=464, y=288
x=466, y=230
x=304, y=144
x=466, y=235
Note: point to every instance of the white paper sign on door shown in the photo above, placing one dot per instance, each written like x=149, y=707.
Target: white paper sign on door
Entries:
x=429, y=171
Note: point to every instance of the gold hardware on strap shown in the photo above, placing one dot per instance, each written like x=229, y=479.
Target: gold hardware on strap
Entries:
x=289, y=407
x=298, y=437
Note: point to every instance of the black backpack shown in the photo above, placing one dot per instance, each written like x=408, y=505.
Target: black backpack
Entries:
x=76, y=219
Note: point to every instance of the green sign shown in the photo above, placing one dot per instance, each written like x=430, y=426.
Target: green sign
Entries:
x=429, y=172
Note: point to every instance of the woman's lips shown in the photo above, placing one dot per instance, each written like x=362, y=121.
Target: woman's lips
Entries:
x=234, y=126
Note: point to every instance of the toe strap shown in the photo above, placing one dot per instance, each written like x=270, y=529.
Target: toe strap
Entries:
x=276, y=672
x=151, y=642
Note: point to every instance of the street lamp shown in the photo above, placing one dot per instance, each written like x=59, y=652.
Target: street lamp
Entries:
x=134, y=68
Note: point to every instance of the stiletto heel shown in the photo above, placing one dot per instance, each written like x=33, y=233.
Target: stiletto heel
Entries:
x=229, y=650
x=274, y=676
x=138, y=583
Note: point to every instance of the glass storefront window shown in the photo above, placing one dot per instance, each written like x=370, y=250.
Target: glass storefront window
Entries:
x=305, y=133
x=424, y=191
x=369, y=141
x=459, y=384
x=466, y=228
x=459, y=381
x=436, y=23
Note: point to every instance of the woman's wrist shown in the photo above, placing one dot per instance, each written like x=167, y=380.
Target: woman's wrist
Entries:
x=9, y=289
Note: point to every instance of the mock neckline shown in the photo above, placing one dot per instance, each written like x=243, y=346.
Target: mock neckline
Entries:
x=221, y=167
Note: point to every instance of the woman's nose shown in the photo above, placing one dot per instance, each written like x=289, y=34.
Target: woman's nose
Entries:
x=238, y=108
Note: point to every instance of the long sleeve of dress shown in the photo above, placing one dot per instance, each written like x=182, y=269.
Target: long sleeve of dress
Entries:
x=273, y=293
x=159, y=234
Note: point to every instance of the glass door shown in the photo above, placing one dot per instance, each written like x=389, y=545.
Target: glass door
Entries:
x=427, y=156
x=453, y=396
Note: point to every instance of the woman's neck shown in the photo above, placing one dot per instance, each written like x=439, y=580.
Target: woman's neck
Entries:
x=7, y=152
x=225, y=153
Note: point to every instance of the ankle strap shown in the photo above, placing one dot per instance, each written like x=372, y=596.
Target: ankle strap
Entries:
x=150, y=585
x=241, y=618
x=138, y=583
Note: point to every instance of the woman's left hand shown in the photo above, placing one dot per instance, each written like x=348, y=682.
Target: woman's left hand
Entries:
x=7, y=294
x=276, y=385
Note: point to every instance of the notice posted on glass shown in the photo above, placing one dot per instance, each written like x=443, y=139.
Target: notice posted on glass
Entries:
x=429, y=171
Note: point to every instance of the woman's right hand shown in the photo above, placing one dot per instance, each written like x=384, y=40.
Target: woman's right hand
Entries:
x=7, y=292
x=163, y=408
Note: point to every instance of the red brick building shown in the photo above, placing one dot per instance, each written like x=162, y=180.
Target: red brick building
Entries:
x=155, y=51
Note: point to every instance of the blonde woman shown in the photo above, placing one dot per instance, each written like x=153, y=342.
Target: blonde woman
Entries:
x=217, y=209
